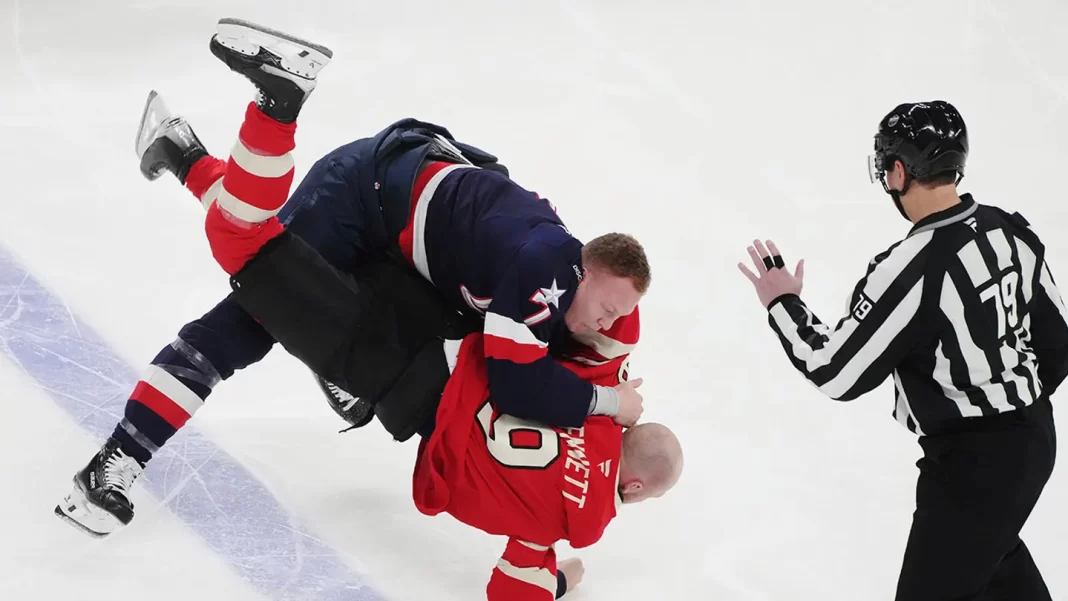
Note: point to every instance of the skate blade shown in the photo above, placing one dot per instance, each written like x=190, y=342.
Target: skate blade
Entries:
x=152, y=116
x=76, y=510
x=78, y=525
x=299, y=56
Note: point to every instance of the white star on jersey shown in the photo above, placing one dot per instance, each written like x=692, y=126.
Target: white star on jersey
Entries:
x=550, y=295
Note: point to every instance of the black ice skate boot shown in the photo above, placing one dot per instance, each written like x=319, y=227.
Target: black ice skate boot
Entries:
x=100, y=502
x=282, y=67
x=166, y=142
x=356, y=411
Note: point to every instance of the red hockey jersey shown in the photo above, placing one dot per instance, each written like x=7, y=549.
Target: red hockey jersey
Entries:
x=534, y=484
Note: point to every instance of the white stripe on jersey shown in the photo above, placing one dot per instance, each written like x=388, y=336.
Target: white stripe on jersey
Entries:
x=604, y=345
x=503, y=327
x=944, y=378
x=979, y=371
x=877, y=284
x=422, y=205
x=974, y=265
x=1027, y=260
x=877, y=344
x=1046, y=281
x=534, y=546
x=539, y=577
x=1001, y=248
x=904, y=409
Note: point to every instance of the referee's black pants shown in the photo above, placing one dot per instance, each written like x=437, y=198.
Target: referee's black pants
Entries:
x=977, y=487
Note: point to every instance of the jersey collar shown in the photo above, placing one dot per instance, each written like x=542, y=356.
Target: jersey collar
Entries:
x=954, y=214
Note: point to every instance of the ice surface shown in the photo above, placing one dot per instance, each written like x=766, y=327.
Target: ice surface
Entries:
x=694, y=125
x=200, y=484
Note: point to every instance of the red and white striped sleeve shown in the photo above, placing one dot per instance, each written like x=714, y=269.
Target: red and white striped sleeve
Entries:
x=526, y=572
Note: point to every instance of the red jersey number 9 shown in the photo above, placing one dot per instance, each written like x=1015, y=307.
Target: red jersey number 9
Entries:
x=518, y=443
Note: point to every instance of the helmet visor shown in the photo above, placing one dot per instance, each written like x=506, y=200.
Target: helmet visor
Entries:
x=875, y=168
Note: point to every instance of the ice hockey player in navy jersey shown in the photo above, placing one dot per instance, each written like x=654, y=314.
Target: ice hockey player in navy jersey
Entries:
x=488, y=246
x=492, y=247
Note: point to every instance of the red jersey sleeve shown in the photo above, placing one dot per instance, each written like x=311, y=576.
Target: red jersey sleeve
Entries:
x=526, y=572
x=603, y=357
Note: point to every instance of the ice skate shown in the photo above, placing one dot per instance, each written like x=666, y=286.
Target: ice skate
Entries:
x=166, y=142
x=283, y=67
x=100, y=502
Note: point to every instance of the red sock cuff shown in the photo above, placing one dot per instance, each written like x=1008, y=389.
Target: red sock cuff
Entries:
x=203, y=174
x=232, y=243
x=265, y=135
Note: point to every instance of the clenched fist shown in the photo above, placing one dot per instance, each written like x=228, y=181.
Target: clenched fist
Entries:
x=573, y=572
x=630, y=403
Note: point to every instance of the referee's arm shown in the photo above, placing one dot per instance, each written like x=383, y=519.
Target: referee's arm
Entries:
x=1049, y=331
x=884, y=323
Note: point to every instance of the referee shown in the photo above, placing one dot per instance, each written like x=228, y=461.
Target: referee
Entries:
x=964, y=316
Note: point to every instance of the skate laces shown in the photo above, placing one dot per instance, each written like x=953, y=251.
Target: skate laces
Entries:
x=263, y=101
x=343, y=396
x=120, y=471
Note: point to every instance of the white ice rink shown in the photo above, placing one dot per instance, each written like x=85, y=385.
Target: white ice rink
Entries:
x=696, y=126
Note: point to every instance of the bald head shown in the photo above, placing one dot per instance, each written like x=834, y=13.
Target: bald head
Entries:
x=651, y=462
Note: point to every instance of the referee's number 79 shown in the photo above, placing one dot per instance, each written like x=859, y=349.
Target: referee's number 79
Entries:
x=1003, y=293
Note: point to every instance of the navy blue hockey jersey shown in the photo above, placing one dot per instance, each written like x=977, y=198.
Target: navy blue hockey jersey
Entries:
x=493, y=247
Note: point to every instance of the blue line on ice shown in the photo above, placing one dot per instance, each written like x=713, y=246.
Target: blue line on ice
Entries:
x=200, y=483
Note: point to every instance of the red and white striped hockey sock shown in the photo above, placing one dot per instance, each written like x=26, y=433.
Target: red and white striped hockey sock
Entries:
x=243, y=205
x=205, y=179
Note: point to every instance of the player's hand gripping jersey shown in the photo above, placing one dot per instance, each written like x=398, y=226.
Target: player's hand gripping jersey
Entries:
x=511, y=477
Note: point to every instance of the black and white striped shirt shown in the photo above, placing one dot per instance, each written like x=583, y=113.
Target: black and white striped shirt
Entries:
x=963, y=314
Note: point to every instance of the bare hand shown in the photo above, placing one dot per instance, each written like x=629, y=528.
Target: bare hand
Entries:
x=573, y=572
x=773, y=281
x=630, y=403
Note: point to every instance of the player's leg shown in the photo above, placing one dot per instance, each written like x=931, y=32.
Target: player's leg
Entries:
x=975, y=492
x=1017, y=577
x=250, y=188
x=242, y=215
x=283, y=68
x=172, y=388
x=945, y=558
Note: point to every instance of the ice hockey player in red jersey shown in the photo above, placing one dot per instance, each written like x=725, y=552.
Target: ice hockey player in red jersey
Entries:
x=534, y=484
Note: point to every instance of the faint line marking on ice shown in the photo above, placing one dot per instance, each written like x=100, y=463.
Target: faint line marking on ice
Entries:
x=211, y=492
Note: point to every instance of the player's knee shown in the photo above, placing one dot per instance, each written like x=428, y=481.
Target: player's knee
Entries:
x=233, y=241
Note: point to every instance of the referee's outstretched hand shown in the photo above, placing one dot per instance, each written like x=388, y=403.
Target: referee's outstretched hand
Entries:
x=771, y=279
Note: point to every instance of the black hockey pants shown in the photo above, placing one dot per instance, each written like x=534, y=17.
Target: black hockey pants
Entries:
x=975, y=491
